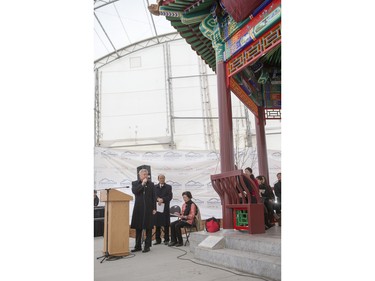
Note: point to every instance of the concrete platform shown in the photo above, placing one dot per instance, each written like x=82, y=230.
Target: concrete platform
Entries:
x=258, y=254
x=181, y=263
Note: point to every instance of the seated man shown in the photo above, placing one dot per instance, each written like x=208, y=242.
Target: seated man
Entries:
x=186, y=218
x=268, y=199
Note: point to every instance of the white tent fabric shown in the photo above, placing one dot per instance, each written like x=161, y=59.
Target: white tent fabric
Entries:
x=164, y=94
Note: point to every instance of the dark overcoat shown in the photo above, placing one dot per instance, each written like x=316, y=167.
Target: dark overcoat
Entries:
x=144, y=204
x=163, y=219
x=266, y=191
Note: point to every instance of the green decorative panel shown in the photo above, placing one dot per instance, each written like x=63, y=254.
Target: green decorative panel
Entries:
x=207, y=27
x=241, y=218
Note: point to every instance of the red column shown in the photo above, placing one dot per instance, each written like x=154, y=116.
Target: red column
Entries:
x=225, y=120
x=261, y=144
x=226, y=134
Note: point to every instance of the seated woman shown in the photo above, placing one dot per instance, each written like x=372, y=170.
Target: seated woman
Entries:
x=249, y=177
x=186, y=218
x=242, y=192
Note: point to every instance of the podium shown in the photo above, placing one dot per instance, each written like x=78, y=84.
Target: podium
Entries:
x=116, y=219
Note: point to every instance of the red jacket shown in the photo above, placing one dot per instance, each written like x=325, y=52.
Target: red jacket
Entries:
x=191, y=215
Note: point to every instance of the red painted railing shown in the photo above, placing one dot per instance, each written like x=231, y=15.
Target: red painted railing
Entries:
x=235, y=195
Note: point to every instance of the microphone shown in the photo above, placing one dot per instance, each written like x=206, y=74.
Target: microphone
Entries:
x=144, y=184
x=145, y=181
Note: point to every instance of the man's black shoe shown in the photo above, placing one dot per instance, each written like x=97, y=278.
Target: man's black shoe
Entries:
x=271, y=225
x=166, y=242
x=171, y=244
x=135, y=250
x=157, y=242
x=145, y=250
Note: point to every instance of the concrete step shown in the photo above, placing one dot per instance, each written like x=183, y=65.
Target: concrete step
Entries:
x=258, y=254
x=247, y=262
x=257, y=243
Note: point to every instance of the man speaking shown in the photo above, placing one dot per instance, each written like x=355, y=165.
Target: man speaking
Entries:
x=144, y=208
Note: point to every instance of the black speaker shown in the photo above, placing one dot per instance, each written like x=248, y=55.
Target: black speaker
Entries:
x=98, y=227
x=98, y=221
x=147, y=167
x=99, y=212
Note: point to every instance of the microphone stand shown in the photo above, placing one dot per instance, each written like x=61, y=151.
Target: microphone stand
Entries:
x=144, y=215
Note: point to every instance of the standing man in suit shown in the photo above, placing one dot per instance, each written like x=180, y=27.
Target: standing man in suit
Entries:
x=96, y=198
x=144, y=208
x=277, y=190
x=163, y=193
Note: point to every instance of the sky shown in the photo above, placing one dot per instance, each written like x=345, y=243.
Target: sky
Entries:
x=126, y=22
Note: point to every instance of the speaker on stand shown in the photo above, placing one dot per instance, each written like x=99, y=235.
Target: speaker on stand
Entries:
x=147, y=167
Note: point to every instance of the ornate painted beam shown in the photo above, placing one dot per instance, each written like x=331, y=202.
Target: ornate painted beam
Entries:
x=255, y=50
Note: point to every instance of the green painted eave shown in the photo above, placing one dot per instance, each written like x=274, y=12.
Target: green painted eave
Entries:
x=191, y=33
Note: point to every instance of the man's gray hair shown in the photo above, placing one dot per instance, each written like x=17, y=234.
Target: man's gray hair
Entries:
x=141, y=171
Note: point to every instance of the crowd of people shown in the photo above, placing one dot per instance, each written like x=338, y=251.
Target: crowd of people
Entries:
x=270, y=197
x=152, y=208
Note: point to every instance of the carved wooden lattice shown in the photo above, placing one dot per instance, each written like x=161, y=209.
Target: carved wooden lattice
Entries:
x=272, y=113
x=262, y=45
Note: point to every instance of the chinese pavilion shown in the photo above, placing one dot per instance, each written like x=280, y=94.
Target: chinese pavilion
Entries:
x=241, y=41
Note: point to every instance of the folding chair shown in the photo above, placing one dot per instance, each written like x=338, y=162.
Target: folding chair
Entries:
x=174, y=209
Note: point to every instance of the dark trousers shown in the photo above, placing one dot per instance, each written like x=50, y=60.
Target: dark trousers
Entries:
x=269, y=206
x=158, y=232
x=176, y=235
x=138, y=238
x=277, y=206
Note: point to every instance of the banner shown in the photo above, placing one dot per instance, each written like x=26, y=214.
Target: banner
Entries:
x=183, y=170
